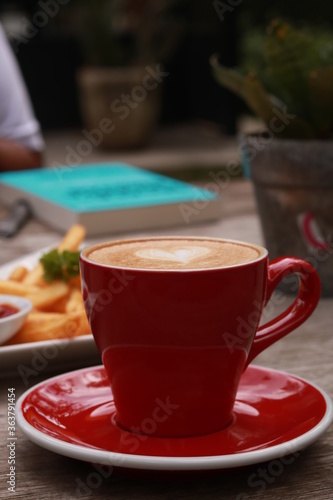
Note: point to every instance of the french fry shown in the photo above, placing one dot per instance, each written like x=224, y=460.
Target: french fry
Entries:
x=58, y=308
x=18, y=273
x=76, y=324
x=39, y=327
x=75, y=282
x=45, y=297
x=16, y=288
x=35, y=276
x=73, y=238
x=75, y=301
x=36, y=317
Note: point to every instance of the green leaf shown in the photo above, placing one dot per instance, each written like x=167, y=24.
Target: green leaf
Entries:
x=261, y=103
x=321, y=101
x=290, y=56
x=291, y=89
x=60, y=266
x=71, y=264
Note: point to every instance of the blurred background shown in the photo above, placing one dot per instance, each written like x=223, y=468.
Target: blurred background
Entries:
x=65, y=47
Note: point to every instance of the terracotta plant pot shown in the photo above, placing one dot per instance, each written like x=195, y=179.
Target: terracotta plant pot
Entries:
x=122, y=103
x=293, y=182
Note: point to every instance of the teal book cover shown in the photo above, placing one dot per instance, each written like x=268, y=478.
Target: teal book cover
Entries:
x=100, y=188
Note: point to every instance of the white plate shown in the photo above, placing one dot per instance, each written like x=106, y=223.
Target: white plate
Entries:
x=30, y=359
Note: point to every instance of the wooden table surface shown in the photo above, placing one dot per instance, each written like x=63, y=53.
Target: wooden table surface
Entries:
x=307, y=352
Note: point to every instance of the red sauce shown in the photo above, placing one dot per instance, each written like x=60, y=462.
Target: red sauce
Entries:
x=7, y=310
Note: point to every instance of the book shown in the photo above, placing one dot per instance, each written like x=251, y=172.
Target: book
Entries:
x=108, y=198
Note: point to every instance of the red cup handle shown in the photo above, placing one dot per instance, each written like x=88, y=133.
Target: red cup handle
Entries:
x=302, y=307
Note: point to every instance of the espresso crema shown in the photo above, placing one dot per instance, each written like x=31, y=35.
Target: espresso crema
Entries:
x=168, y=253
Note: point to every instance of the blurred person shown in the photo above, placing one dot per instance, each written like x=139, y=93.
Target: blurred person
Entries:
x=21, y=142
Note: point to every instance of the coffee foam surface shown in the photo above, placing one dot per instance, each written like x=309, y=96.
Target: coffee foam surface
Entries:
x=173, y=254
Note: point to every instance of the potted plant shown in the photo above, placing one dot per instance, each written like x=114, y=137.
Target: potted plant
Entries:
x=124, y=43
x=291, y=162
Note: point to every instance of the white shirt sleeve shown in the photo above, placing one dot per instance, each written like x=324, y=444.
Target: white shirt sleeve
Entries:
x=17, y=120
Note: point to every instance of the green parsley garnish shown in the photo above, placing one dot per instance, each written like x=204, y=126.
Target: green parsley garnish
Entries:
x=60, y=266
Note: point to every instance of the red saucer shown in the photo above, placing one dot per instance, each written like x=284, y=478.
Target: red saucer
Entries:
x=275, y=414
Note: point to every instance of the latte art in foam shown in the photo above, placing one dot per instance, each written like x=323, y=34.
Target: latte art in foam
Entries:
x=184, y=255
x=173, y=253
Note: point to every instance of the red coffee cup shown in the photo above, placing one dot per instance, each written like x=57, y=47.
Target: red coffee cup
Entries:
x=175, y=342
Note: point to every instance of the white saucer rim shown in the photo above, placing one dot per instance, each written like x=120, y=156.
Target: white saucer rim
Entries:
x=147, y=462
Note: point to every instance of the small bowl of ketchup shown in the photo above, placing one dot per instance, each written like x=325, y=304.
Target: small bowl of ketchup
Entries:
x=13, y=311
